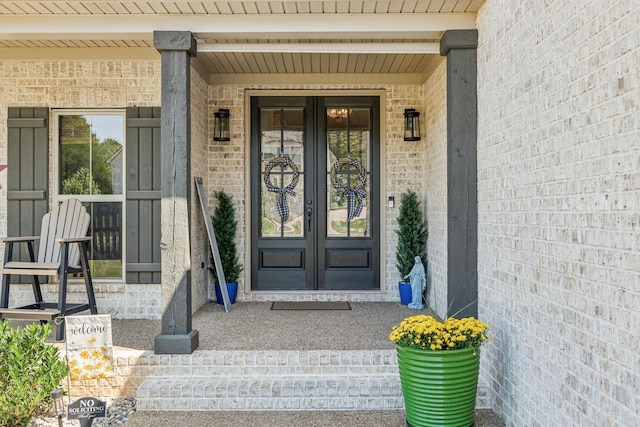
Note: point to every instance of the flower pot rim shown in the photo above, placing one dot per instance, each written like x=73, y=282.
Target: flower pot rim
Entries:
x=420, y=350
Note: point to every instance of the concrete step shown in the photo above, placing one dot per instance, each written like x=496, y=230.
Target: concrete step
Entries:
x=264, y=362
x=273, y=380
x=271, y=392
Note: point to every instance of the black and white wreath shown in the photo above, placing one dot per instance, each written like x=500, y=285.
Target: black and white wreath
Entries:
x=354, y=191
x=281, y=202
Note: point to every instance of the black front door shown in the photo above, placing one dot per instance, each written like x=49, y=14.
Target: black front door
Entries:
x=314, y=193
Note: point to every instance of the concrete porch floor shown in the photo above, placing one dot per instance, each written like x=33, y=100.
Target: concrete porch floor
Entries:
x=254, y=326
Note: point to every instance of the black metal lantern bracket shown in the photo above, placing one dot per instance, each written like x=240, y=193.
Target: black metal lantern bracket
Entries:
x=411, y=125
x=221, y=125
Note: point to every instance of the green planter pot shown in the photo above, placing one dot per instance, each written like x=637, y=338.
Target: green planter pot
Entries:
x=439, y=387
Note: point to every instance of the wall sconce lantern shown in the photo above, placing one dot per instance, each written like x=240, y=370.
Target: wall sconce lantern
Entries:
x=411, y=125
x=221, y=125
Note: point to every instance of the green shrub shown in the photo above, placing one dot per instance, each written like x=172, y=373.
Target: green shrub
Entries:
x=29, y=370
x=412, y=233
x=224, y=227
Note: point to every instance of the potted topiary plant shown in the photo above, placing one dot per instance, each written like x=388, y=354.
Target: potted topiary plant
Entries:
x=224, y=227
x=412, y=239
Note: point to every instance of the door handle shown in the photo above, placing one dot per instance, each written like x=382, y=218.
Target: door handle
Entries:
x=309, y=213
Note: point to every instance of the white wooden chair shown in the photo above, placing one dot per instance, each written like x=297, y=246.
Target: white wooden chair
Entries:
x=63, y=250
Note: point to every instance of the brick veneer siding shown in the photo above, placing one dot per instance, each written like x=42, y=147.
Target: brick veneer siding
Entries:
x=402, y=163
x=558, y=187
x=117, y=84
x=200, y=142
x=435, y=186
x=107, y=84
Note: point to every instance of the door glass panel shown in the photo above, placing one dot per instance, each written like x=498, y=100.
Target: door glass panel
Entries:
x=348, y=165
x=281, y=155
x=272, y=223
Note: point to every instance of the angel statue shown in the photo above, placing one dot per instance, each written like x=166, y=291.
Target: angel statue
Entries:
x=417, y=279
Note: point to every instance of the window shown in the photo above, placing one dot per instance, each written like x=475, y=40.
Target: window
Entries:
x=90, y=167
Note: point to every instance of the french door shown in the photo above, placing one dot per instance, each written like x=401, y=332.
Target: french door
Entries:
x=314, y=193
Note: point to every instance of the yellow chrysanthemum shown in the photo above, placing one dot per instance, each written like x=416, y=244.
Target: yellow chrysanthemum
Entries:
x=425, y=332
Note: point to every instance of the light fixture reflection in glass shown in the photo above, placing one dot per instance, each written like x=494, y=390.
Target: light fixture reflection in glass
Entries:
x=338, y=113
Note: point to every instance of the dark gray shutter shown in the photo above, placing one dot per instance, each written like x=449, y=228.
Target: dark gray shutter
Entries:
x=27, y=171
x=143, y=194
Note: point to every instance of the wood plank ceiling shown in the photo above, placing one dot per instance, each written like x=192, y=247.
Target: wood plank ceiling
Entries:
x=249, y=37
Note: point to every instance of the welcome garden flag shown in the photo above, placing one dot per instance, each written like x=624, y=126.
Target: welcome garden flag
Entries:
x=89, y=347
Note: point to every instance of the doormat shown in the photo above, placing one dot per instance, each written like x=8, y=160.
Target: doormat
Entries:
x=310, y=305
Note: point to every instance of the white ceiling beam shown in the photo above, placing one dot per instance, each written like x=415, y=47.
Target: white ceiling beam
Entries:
x=261, y=27
x=315, y=78
x=373, y=48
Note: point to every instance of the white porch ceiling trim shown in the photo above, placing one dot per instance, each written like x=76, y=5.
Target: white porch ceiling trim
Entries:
x=260, y=27
x=416, y=48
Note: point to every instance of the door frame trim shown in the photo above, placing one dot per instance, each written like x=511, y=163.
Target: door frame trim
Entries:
x=248, y=94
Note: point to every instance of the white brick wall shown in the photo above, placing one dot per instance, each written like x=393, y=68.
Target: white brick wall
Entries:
x=95, y=84
x=107, y=84
x=435, y=186
x=81, y=84
x=200, y=142
x=226, y=163
x=559, y=203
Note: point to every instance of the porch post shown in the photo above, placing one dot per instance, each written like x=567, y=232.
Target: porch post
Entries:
x=176, y=48
x=459, y=46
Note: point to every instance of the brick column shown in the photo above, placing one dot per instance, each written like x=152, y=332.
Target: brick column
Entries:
x=176, y=48
x=459, y=46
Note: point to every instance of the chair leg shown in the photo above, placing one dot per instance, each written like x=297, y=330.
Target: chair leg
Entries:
x=62, y=301
x=62, y=291
x=6, y=278
x=35, y=281
x=88, y=282
x=37, y=293
x=4, y=296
